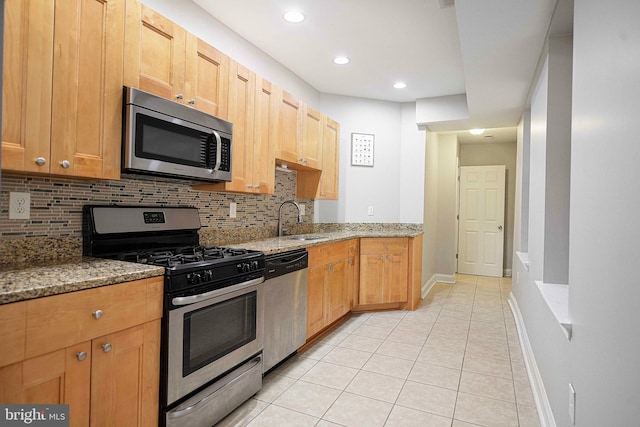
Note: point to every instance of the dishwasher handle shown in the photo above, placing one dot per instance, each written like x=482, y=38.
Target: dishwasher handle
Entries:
x=285, y=263
x=284, y=260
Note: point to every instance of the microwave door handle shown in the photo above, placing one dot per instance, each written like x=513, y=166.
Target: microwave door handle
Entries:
x=218, y=150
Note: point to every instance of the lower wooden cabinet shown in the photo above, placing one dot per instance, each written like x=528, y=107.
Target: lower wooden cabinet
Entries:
x=384, y=270
x=330, y=284
x=110, y=379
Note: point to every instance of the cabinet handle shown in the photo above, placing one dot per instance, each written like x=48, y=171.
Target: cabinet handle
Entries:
x=323, y=194
x=192, y=101
x=41, y=161
x=97, y=314
x=301, y=159
x=389, y=257
x=106, y=347
x=65, y=164
x=81, y=356
x=179, y=96
x=249, y=186
x=257, y=187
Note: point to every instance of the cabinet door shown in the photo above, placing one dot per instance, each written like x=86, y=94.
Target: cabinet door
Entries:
x=56, y=378
x=311, y=147
x=290, y=128
x=265, y=136
x=336, y=282
x=371, y=279
x=330, y=159
x=122, y=382
x=395, y=278
x=242, y=84
x=206, y=78
x=27, y=84
x=316, y=311
x=87, y=88
x=154, y=52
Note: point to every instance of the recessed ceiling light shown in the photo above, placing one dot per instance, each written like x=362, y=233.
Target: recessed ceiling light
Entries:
x=400, y=85
x=341, y=60
x=293, y=16
x=476, y=131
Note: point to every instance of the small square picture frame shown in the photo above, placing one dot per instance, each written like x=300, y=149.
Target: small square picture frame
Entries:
x=362, y=149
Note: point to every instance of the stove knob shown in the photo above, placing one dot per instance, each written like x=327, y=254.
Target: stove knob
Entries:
x=196, y=278
x=208, y=275
x=246, y=267
x=254, y=265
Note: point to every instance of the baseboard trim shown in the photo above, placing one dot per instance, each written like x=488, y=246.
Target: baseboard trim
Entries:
x=507, y=272
x=445, y=278
x=426, y=287
x=540, y=397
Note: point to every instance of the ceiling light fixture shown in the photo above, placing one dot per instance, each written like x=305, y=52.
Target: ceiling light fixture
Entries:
x=293, y=16
x=341, y=60
x=476, y=131
x=400, y=85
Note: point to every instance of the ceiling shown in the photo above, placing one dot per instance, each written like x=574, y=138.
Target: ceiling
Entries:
x=485, y=49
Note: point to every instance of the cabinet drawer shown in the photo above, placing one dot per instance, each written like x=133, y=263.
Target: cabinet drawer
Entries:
x=325, y=254
x=391, y=245
x=13, y=318
x=63, y=320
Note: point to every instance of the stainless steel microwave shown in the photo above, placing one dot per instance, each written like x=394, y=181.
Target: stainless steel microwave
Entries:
x=163, y=137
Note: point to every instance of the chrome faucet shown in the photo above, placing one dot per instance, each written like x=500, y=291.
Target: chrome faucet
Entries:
x=294, y=203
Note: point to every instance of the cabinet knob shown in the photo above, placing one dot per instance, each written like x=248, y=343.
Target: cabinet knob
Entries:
x=97, y=314
x=323, y=194
x=301, y=159
x=389, y=257
x=65, y=164
x=249, y=186
x=41, y=161
x=81, y=356
x=179, y=96
x=192, y=101
x=257, y=187
x=106, y=347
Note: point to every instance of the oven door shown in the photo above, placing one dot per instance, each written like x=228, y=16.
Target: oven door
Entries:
x=211, y=333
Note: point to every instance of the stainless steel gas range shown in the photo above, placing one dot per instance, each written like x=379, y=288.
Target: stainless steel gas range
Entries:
x=212, y=326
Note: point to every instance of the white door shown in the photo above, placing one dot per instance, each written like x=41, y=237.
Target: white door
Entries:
x=481, y=234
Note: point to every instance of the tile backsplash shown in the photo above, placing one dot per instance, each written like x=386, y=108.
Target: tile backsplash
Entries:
x=56, y=204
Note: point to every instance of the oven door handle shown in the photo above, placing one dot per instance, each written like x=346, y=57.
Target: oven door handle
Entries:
x=186, y=411
x=192, y=299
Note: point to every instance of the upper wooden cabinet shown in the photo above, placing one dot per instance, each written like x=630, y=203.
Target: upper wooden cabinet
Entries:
x=253, y=107
x=301, y=129
x=290, y=127
x=163, y=59
x=313, y=184
x=310, y=148
x=62, y=87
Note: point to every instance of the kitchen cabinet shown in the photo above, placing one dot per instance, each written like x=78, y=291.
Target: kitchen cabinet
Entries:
x=383, y=270
x=97, y=350
x=353, y=274
x=329, y=282
x=310, y=148
x=289, y=127
x=253, y=104
x=323, y=184
x=62, y=87
x=164, y=59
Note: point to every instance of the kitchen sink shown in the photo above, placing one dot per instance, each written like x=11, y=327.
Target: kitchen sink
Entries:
x=305, y=238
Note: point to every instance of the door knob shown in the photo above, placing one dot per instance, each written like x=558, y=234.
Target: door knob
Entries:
x=499, y=227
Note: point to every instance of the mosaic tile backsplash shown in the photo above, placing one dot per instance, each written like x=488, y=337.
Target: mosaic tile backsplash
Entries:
x=56, y=205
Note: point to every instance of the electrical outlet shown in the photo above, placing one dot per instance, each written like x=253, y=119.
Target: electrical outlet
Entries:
x=370, y=211
x=233, y=207
x=572, y=404
x=19, y=205
x=302, y=205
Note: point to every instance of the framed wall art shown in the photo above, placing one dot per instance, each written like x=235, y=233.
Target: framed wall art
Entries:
x=362, y=149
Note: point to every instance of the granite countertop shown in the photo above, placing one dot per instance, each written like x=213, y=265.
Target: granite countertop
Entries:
x=289, y=243
x=23, y=281
x=26, y=281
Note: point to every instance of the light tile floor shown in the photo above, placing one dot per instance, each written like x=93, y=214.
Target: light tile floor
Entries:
x=455, y=361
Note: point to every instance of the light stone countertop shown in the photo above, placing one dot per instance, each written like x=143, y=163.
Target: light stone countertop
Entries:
x=289, y=243
x=28, y=281
x=25, y=281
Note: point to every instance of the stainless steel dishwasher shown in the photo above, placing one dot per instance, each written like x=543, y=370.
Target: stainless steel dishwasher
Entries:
x=285, y=306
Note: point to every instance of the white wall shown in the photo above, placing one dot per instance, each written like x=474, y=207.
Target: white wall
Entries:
x=601, y=359
x=604, y=296
x=360, y=187
x=447, y=204
x=429, y=252
x=412, y=160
